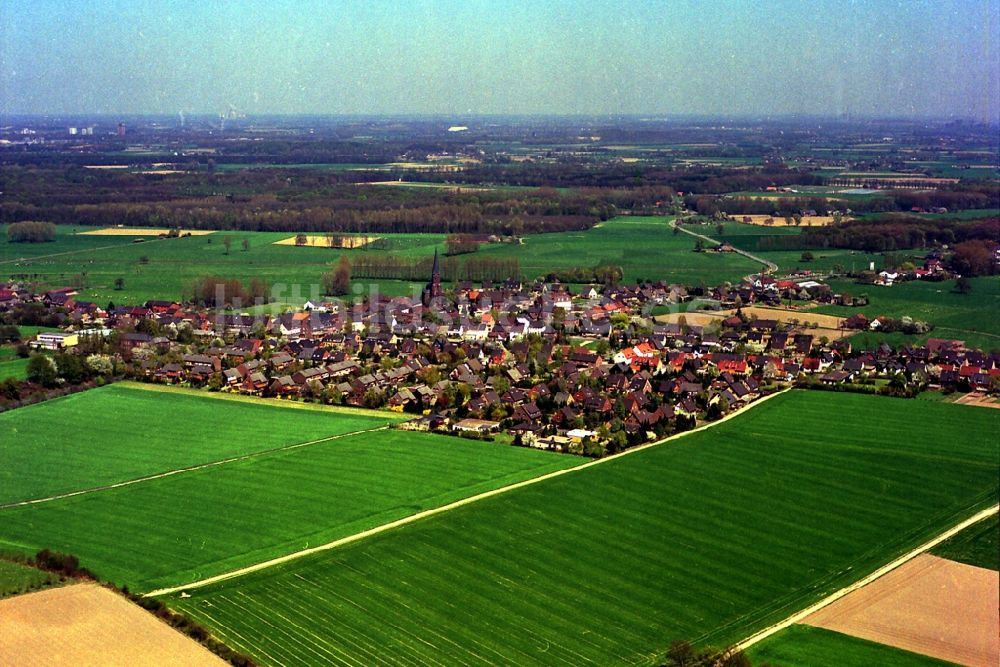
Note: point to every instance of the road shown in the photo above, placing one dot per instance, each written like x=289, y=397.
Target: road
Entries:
x=771, y=266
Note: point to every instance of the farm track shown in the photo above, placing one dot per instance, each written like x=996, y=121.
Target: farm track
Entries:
x=771, y=266
x=178, y=471
x=442, y=509
x=68, y=252
x=861, y=583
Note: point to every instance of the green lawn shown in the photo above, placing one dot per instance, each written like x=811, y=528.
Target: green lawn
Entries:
x=977, y=545
x=186, y=527
x=971, y=317
x=707, y=538
x=806, y=646
x=121, y=432
x=16, y=578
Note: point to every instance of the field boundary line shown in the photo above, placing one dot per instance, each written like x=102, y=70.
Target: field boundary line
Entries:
x=355, y=537
x=861, y=583
x=193, y=468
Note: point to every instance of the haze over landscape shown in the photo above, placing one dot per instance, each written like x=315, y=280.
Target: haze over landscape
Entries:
x=884, y=58
x=548, y=333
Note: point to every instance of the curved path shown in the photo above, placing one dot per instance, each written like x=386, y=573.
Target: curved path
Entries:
x=444, y=508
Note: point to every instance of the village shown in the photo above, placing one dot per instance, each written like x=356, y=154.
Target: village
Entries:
x=535, y=364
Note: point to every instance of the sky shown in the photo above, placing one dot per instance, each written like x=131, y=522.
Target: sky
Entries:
x=909, y=58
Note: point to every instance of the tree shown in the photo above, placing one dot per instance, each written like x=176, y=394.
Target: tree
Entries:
x=119, y=284
x=300, y=239
x=246, y=244
x=806, y=257
x=963, y=285
x=338, y=281
x=31, y=231
x=42, y=370
x=227, y=242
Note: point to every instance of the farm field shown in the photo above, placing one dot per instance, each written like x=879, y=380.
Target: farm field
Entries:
x=971, y=317
x=185, y=527
x=928, y=605
x=86, y=624
x=122, y=432
x=16, y=578
x=807, y=646
x=644, y=246
x=612, y=563
x=977, y=545
x=141, y=231
x=12, y=366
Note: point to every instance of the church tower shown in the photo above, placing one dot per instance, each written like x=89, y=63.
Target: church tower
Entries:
x=433, y=288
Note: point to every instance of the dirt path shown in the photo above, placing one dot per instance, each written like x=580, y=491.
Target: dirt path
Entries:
x=771, y=266
x=799, y=616
x=178, y=471
x=67, y=252
x=444, y=508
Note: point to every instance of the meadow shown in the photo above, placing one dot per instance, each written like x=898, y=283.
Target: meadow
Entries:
x=167, y=268
x=971, y=317
x=806, y=646
x=122, y=432
x=16, y=578
x=185, y=527
x=706, y=538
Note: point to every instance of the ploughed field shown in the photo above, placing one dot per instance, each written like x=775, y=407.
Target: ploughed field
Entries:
x=708, y=538
x=269, y=502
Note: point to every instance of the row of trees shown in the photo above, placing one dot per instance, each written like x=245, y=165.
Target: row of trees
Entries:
x=217, y=292
x=31, y=231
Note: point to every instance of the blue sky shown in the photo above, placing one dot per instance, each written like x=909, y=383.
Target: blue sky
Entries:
x=910, y=58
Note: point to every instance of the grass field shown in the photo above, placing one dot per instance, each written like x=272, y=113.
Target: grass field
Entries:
x=645, y=247
x=188, y=526
x=977, y=545
x=120, y=432
x=971, y=317
x=16, y=578
x=806, y=646
x=707, y=538
x=12, y=366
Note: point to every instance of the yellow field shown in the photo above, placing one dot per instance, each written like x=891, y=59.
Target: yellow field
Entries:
x=141, y=231
x=316, y=241
x=418, y=184
x=802, y=320
x=807, y=220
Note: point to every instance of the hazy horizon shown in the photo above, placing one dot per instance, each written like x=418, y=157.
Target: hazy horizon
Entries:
x=824, y=59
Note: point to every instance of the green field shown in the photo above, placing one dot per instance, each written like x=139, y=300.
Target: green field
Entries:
x=707, y=538
x=806, y=646
x=16, y=578
x=644, y=247
x=971, y=317
x=123, y=432
x=187, y=526
x=977, y=545
x=11, y=365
